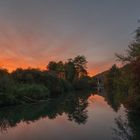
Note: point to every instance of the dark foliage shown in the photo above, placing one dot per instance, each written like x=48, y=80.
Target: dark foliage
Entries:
x=32, y=85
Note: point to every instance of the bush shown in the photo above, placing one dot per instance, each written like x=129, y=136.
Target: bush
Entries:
x=6, y=88
x=33, y=92
x=7, y=99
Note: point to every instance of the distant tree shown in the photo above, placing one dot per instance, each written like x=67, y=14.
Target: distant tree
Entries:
x=29, y=75
x=112, y=77
x=75, y=68
x=52, y=66
x=70, y=71
x=57, y=68
x=80, y=63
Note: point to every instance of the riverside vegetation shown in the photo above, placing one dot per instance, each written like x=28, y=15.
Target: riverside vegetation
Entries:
x=123, y=84
x=32, y=85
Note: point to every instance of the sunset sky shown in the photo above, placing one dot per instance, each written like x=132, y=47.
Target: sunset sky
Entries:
x=34, y=32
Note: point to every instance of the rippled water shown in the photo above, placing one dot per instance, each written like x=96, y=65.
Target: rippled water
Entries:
x=88, y=117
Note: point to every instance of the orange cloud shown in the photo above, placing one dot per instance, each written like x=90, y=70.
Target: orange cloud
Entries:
x=30, y=48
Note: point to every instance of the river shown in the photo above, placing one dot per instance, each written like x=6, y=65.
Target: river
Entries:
x=85, y=116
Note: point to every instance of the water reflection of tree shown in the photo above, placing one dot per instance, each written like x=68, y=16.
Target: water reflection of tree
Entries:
x=73, y=105
x=123, y=130
x=78, y=112
x=128, y=126
x=113, y=101
x=110, y=96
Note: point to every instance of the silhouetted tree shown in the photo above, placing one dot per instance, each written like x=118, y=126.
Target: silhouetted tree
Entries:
x=132, y=57
x=57, y=68
x=70, y=71
x=80, y=65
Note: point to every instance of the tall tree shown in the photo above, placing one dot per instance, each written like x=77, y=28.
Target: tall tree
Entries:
x=57, y=68
x=80, y=63
x=132, y=56
x=52, y=66
x=70, y=71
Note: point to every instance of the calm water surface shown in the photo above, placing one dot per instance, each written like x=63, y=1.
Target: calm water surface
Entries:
x=86, y=117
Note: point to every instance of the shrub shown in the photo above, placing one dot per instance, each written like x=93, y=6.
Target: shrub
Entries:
x=31, y=92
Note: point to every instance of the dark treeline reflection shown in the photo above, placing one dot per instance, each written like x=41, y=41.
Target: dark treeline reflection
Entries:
x=123, y=130
x=73, y=105
x=127, y=122
x=126, y=125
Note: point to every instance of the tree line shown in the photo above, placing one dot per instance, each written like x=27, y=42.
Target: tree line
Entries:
x=32, y=85
x=123, y=84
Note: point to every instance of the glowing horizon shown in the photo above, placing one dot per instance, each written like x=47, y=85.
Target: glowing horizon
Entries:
x=13, y=66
